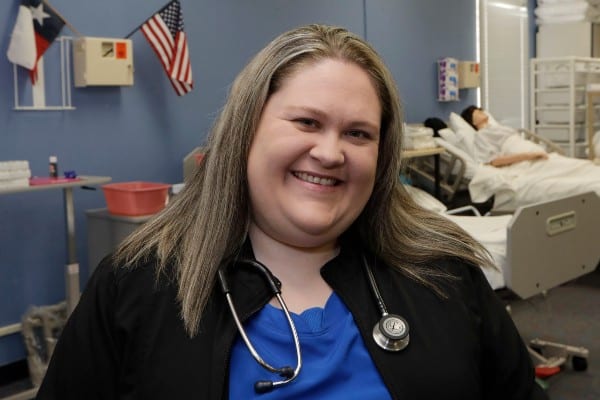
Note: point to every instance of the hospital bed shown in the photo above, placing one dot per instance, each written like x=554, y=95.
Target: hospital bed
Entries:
x=516, y=185
x=539, y=247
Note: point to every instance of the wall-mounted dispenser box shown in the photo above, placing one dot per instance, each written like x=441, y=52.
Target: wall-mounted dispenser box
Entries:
x=448, y=79
x=468, y=74
x=102, y=62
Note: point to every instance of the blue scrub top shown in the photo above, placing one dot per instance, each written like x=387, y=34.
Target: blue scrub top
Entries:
x=335, y=361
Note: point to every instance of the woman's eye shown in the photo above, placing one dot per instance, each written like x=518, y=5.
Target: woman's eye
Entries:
x=307, y=122
x=359, y=134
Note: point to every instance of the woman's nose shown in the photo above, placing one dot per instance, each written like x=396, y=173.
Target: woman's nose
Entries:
x=328, y=149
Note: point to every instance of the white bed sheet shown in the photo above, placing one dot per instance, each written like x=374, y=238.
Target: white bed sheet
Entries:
x=522, y=183
x=526, y=182
x=531, y=182
x=491, y=232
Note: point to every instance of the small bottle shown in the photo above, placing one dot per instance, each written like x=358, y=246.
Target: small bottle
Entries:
x=53, y=167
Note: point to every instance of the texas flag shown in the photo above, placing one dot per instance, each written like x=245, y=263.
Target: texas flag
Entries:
x=36, y=28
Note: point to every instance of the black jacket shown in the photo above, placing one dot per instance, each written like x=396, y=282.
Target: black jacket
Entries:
x=125, y=339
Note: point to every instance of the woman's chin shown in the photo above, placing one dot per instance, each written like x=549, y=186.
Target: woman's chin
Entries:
x=311, y=236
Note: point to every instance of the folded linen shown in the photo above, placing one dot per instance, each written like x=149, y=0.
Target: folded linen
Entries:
x=13, y=183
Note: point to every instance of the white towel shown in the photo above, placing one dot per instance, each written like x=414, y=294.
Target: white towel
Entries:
x=12, y=183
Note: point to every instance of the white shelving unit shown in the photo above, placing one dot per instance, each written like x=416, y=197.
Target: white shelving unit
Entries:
x=558, y=100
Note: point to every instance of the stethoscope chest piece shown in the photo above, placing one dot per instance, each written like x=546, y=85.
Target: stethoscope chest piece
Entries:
x=391, y=333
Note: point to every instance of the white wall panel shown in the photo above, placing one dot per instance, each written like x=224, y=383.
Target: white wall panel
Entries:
x=504, y=59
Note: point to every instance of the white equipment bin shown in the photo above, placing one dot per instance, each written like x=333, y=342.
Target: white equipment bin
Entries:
x=103, y=62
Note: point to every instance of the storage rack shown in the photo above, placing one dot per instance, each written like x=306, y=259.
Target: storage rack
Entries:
x=558, y=100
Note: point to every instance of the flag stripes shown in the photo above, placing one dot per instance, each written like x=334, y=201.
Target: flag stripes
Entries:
x=164, y=32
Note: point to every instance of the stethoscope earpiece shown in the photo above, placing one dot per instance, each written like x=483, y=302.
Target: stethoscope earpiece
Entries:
x=266, y=386
x=391, y=333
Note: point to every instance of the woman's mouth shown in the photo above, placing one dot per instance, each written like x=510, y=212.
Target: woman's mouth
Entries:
x=317, y=180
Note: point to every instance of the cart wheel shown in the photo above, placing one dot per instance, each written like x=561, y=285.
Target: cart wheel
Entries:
x=579, y=363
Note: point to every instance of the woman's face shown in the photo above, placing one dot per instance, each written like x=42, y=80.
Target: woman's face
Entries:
x=312, y=162
x=480, y=119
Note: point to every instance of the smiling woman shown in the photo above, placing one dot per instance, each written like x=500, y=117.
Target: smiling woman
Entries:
x=320, y=167
x=296, y=241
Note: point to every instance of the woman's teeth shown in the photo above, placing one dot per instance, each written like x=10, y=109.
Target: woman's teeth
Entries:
x=315, y=179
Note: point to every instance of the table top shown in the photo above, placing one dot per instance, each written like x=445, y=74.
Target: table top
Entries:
x=431, y=151
x=82, y=181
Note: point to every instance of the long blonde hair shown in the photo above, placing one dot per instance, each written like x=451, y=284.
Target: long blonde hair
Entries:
x=207, y=222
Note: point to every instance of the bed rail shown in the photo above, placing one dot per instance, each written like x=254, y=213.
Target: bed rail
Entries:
x=547, y=143
x=452, y=172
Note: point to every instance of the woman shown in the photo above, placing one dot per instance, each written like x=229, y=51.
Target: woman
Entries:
x=301, y=175
x=489, y=140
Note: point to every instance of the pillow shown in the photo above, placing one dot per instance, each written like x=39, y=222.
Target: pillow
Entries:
x=457, y=123
x=449, y=136
x=465, y=132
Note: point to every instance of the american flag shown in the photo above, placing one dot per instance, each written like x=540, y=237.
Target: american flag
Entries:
x=164, y=31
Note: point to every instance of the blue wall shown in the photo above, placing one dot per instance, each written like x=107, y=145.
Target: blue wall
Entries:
x=411, y=36
x=143, y=132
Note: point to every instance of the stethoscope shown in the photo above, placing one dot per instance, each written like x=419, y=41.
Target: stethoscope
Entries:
x=390, y=332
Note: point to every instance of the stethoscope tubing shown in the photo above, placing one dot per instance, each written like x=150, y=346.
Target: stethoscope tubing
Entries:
x=375, y=288
x=275, y=288
x=390, y=333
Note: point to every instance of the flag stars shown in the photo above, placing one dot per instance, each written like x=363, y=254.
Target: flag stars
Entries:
x=38, y=13
x=164, y=31
x=172, y=17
